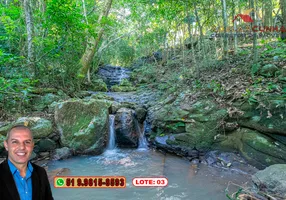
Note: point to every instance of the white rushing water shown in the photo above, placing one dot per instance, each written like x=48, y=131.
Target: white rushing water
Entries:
x=143, y=144
x=111, y=140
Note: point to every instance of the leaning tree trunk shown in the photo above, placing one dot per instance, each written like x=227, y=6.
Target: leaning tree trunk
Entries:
x=30, y=35
x=92, y=44
x=283, y=8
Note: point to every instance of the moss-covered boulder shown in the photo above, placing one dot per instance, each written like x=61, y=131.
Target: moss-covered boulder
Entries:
x=116, y=106
x=198, y=120
x=267, y=116
x=257, y=148
x=272, y=180
x=40, y=127
x=83, y=125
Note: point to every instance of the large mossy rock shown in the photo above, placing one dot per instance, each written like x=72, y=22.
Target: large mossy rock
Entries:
x=260, y=150
x=267, y=117
x=197, y=121
x=272, y=180
x=125, y=128
x=83, y=126
x=40, y=127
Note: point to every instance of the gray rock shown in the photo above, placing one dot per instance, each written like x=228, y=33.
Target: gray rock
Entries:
x=272, y=180
x=46, y=145
x=140, y=114
x=125, y=128
x=40, y=127
x=44, y=154
x=62, y=153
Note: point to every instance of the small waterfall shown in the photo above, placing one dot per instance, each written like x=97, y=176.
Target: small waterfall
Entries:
x=111, y=141
x=121, y=75
x=113, y=75
x=142, y=140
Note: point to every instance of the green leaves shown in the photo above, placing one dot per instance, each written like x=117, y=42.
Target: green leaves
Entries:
x=254, y=69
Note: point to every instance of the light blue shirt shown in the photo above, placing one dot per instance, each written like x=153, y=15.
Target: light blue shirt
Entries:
x=24, y=185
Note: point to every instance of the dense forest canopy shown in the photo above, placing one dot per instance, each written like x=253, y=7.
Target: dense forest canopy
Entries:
x=61, y=43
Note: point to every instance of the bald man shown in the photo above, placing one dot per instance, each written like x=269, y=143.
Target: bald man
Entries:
x=19, y=178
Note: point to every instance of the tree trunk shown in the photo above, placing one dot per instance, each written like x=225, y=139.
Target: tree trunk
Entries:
x=84, y=11
x=199, y=25
x=234, y=27
x=223, y=3
x=92, y=44
x=268, y=13
x=255, y=52
x=283, y=8
x=30, y=35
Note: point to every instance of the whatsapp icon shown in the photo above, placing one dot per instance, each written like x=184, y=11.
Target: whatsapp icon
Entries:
x=60, y=182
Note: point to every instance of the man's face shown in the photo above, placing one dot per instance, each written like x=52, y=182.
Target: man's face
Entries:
x=20, y=146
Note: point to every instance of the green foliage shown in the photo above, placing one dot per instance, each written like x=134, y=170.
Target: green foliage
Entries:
x=14, y=93
x=120, y=53
x=254, y=69
x=243, y=52
x=275, y=49
x=144, y=74
x=216, y=87
x=250, y=96
x=125, y=82
x=175, y=126
x=64, y=16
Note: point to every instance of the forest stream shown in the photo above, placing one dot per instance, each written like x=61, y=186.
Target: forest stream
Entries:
x=186, y=180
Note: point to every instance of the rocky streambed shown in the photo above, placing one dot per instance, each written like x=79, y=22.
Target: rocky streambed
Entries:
x=193, y=126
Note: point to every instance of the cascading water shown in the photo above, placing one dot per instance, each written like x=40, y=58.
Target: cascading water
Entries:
x=111, y=141
x=113, y=75
x=122, y=75
x=142, y=140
